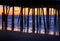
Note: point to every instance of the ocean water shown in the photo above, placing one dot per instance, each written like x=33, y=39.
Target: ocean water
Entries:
x=17, y=23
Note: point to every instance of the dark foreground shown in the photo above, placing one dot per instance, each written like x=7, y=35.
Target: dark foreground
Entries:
x=16, y=36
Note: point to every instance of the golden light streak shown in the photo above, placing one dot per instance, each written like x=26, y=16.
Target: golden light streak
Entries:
x=35, y=11
x=26, y=11
x=10, y=12
x=16, y=10
x=30, y=11
x=52, y=11
x=41, y=11
x=38, y=11
x=1, y=10
x=45, y=11
x=5, y=9
x=23, y=11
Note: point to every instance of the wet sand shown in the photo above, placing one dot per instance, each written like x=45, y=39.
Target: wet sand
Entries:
x=19, y=36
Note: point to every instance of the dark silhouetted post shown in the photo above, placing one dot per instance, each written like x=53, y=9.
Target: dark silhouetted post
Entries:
x=55, y=26
x=59, y=20
x=28, y=19
x=47, y=20
x=21, y=20
x=13, y=19
x=44, y=20
x=6, y=19
x=33, y=20
x=3, y=19
x=37, y=19
x=24, y=19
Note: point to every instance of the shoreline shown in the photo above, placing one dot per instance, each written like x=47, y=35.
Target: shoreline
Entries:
x=19, y=36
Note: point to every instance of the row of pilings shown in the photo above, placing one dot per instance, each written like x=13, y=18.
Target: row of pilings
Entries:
x=46, y=24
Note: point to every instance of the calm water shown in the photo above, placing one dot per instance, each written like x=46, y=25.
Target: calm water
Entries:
x=16, y=23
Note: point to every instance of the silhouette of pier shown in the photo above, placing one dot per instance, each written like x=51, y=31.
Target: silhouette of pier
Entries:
x=38, y=18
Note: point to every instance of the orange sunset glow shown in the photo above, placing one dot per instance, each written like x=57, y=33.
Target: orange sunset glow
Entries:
x=52, y=11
